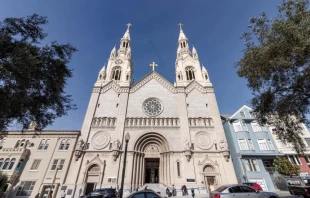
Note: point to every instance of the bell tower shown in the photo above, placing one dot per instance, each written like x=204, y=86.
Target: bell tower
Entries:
x=187, y=64
x=120, y=67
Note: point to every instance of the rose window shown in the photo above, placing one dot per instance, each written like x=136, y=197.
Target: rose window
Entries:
x=152, y=107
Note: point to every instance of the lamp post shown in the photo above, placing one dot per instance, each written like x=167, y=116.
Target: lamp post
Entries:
x=127, y=137
x=50, y=190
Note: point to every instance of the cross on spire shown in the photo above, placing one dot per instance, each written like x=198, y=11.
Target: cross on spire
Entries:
x=128, y=25
x=153, y=65
x=180, y=24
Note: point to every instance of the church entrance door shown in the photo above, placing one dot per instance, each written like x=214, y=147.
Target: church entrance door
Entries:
x=151, y=170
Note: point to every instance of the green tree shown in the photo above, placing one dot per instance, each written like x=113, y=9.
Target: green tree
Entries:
x=33, y=74
x=285, y=167
x=276, y=64
x=3, y=181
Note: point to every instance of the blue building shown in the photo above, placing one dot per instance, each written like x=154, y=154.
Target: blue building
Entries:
x=252, y=148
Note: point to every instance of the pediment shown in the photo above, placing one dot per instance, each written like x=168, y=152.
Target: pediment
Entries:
x=158, y=78
x=207, y=160
x=110, y=85
x=199, y=87
x=96, y=160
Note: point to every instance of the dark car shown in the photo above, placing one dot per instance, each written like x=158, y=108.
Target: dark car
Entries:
x=298, y=185
x=256, y=186
x=101, y=193
x=145, y=194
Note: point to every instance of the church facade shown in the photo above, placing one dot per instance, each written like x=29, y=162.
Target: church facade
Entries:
x=176, y=133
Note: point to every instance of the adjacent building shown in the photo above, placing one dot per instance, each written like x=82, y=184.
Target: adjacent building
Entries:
x=252, y=148
x=34, y=160
x=287, y=150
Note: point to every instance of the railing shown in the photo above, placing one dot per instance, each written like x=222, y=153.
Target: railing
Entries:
x=150, y=122
x=104, y=122
x=13, y=150
x=198, y=122
x=270, y=169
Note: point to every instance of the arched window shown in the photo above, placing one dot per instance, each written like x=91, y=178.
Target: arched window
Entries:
x=11, y=164
x=17, y=144
x=1, y=162
x=178, y=169
x=62, y=144
x=116, y=73
x=22, y=143
x=19, y=165
x=190, y=73
x=93, y=168
x=206, y=77
x=67, y=145
x=47, y=143
x=6, y=163
x=41, y=145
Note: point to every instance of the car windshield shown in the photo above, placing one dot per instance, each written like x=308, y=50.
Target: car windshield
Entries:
x=110, y=190
x=221, y=189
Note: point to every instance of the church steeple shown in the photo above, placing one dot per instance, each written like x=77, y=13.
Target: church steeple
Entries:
x=119, y=68
x=188, y=67
x=183, y=49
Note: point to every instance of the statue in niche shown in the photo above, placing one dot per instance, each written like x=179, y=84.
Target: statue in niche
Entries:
x=223, y=145
x=187, y=145
x=116, y=145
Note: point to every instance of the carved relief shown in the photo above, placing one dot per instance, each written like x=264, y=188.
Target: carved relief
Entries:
x=223, y=145
x=200, y=122
x=103, y=122
x=203, y=140
x=150, y=122
x=152, y=148
x=100, y=140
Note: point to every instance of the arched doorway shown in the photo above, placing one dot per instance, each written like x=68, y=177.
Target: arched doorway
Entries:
x=92, y=178
x=151, y=160
x=209, y=176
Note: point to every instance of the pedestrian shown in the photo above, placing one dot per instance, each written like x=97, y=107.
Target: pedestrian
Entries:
x=193, y=192
x=183, y=191
x=137, y=189
x=167, y=191
x=63, y=195
x=174, y=192
x=185, y=188
x=37, y=196
x=145, y=187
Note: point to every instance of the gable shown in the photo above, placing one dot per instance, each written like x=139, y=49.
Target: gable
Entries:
x=244, y=109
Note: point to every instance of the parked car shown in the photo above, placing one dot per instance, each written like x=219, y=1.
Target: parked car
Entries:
x=298, y=185
x=240, y=190
x=255, y=186
x=145, y=194
x=101, y=193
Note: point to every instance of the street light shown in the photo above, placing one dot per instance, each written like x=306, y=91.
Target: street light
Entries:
x=51, y=188
x=127, y=138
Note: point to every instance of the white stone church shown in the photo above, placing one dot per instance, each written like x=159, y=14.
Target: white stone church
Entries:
x=176, y=133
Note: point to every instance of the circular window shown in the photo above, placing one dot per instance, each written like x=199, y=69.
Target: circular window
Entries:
x=152, y=107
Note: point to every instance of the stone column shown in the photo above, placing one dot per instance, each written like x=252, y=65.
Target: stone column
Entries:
x=137, y=181
x=134, y=169
x=142, y=169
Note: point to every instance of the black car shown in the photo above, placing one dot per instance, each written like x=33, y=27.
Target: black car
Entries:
x=145, y=194
x=101, y=193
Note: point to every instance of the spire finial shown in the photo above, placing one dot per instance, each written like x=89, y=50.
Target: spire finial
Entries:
x=180, y=24
x=153, y=65
x=128, y=25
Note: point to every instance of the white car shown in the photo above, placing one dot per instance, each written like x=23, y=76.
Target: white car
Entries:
x=240, y=190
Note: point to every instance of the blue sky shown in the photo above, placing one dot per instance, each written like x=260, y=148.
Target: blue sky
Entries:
x=95, y=26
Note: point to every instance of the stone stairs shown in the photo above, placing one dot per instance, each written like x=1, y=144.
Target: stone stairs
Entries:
x=156, y=187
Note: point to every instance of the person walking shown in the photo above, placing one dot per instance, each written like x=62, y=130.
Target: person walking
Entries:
x=63, y=195
x=167, y=192
x=174, y=192
x=193, y=192
x=185, y=189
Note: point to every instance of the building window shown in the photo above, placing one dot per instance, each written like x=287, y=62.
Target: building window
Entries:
x=308, y=141
x=263, y=146
x=243, y=144
x=44, y=144
x=257, y=128
x=35, y=164
x=116, y=73
x=242, y=114
x=240, y=126
x=25, y=188
x=270, y=144
x=112, y=180
x=190, y=73
x=22, y=144
x=1, y=162
x=2, y=143
x=178, y=169
x=6, y=163
x=251, y=145
x=251, y=165
x=17, y=144
x=12, y=162
x=294, y=159
x=67, y=145
x=281, y=144
x=307, y=158
x=58, y=163
x=62, y=145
